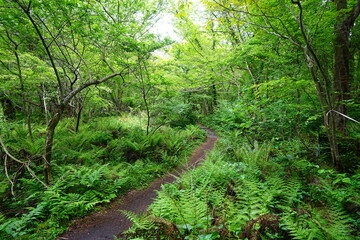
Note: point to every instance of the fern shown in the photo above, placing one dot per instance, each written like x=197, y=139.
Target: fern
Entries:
x=185, y=208
x=285, y=193
x=250, y=203
x=255, y=155
x=35, y=213
x=317, y=223
x=192, y=209
x=148, y=227
x=17, y=227
x=245, y=202
x=91, y=178
x=139, y=221
x=154, y=139
x=337, y=223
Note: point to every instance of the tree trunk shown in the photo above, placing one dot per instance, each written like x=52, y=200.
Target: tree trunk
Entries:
x=342, y=76
x=28, y=123
x=148, y=116
x=119, y=100
x=323, y=95
x=43, y=98
x=50, y=131
x=213, y=104
x=323, y=84
x=78, y=116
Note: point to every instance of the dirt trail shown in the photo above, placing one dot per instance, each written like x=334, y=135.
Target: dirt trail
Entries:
x=110, y=222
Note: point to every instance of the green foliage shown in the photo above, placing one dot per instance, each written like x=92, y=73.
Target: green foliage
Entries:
x=261, y=116
x=17, y=227
x=312, y=223
x=256, y=198
x=177, y=114
x=244, y=61
x=90, y=168
x=74, y=194
x=256, y=155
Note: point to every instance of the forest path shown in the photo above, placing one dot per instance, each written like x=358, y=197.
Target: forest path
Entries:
x=110, y=222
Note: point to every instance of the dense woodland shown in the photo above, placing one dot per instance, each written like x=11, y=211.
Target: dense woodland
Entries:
x=94, y=104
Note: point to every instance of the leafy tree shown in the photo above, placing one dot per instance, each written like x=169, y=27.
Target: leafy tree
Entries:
x=297, y=23
x=77, y=40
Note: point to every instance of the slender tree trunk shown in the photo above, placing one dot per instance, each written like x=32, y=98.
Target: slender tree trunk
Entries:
x=147, y=111
x=323, y=86
x=28, y=123
x=26, y=106
x=119, y=100
x=329, y=121
x=45, y=104
x=334, y=147
x=78, y=117
x=214, y=93
x=213, y=104
x=49, y=141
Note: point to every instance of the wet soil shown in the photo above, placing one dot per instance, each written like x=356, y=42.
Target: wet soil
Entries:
x=111, y=222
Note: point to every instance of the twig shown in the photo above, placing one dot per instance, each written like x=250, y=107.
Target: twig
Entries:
x=8, y=177
x=26, y=164
x=7, y=152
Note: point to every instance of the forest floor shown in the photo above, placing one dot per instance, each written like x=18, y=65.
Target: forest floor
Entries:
x=110, y=222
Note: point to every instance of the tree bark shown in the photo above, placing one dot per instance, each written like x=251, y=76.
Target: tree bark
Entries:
x=323, y=87
x=49, y=141
x=342, y=74
x=78, y=117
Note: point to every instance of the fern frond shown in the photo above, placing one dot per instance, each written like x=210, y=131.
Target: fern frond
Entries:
x=35, y=213
x=298, y=229
x=256, y=155
x=318, y=223
x=252, y=199
x=138, y=220
x=334, y=223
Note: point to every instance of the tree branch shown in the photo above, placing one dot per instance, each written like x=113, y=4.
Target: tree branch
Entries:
x=269, y=29
x=27, y=11
x=354, y=14
x=26, y=164
x=313, y=56
x=88, y=84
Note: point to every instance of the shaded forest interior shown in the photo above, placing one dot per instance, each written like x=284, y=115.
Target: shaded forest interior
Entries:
x=94, y=102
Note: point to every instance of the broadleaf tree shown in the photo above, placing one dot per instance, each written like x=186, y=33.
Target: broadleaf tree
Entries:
x=75, y=40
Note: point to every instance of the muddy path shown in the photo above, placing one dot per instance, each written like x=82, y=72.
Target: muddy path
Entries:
x=110, y=222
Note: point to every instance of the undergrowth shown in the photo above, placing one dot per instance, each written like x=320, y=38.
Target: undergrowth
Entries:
x=104, y=160
x=253, y=191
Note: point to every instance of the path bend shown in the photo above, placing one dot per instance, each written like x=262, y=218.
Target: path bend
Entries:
x=110, y=222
